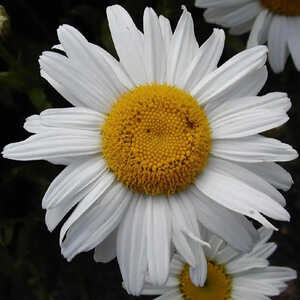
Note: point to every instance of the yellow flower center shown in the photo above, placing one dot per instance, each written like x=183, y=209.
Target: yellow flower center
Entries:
x=283, y=7
x=156, y=139
x=218, y=284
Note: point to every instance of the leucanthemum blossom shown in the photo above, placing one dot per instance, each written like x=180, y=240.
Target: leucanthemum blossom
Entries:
x=231, y=275
x=156, y=143
x=274, y=21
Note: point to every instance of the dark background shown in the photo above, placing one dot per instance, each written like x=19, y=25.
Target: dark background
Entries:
x=31, y=266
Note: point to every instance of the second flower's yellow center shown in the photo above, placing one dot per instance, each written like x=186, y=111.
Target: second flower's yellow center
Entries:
x=218, y=284
x=156, y=139
x=283, y=7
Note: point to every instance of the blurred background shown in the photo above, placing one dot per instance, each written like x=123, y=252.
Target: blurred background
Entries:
x=31, y=266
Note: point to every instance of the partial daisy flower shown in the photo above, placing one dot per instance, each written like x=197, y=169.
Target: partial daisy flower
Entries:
x=274, y=21
x=155, y=143
x=231, y=275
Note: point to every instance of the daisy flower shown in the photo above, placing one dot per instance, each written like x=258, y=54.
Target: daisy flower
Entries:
x=274, y=21
x=156, y=142
x=230, y=276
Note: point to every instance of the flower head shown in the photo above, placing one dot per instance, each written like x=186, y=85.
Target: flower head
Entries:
x=156, y=143
x=230, y=276
x=274, y=21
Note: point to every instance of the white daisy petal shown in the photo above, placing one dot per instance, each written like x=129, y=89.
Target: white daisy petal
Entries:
x=183, y=48
x=276, y=24
x=230, y=16
x=186, y=235
x=246, y=285
x=79, y=50
x=247, y=275
x=55, y=214
x=264, y=250
x=204, y=62
x=106, y=251
x=54, y=144
x=253, y=149
x=250, y=85
x=96, y=214
x=260, y=29
x=218, y=83
x=69, y=95
x=158, y=240
x=235, y=194
x=273, y=101
x=170, y=295
x=274, y=273
x=247, y=122
x=198, y=274
x=222, y=3
x=105, y=187
x=245, y=263
x=89, y=92
x=61, y=118
x=277, y=41
x=294, y=40
x=129, y=43
x=166, y=32
x=272, y=173
x=214, y=216
x=163, y=146
x=155, y=53
x=131, y=246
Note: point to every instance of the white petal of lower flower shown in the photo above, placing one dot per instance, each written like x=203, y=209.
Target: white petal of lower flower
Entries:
x=274, y=273
x=55, y=144
x=80, y=118
x=170, y=295
x=106, y=251
x=129, y=43
x=132, y=245
x=198, y=274
x=294, y=40
x=255, y=287
x=183, y=48
x=264, y=250
x=155, y=52
x=245, y=263
x=278, y=42
x=217, y=83
x=272, y=173
x=253, y=149
x=226, y=254
x=158, y=240
x=204, y=62
x=98, y=214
